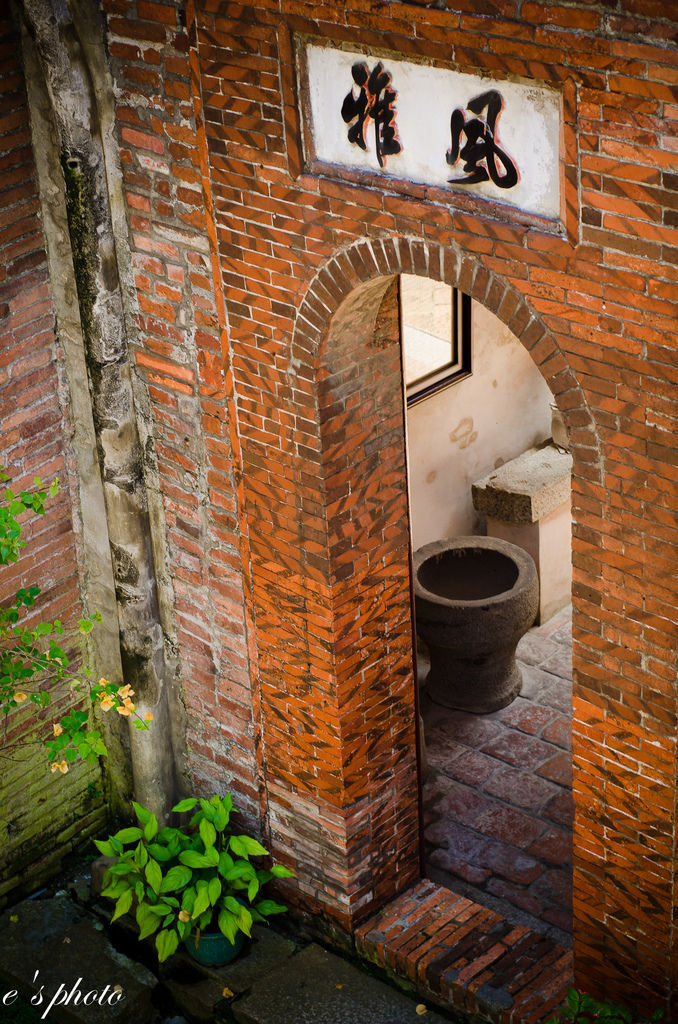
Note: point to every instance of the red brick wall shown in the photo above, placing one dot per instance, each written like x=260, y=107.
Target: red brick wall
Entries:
x=275, y=554
x=179, y=349
x=42, y=816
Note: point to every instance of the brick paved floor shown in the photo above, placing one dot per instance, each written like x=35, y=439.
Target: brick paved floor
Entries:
x=497, y=801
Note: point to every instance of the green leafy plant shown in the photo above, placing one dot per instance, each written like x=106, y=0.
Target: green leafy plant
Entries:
x=197, y=877
x=33, y=655
x=581, y=1008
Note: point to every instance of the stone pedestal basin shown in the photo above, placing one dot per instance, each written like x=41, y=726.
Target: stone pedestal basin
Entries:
x=474, y=597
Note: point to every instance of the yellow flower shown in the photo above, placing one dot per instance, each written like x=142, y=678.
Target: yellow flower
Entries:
x=125, y=691
x=106, y=701
x=148, y=717
x=59, y=766
x=103, y=682
x=184, y=915
x=58, y=729
x=127, y=707
x=20, y=697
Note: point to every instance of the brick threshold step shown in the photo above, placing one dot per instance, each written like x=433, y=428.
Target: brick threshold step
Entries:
x=458, y=954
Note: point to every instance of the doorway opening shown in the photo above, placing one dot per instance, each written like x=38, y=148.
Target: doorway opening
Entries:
x=497, y=801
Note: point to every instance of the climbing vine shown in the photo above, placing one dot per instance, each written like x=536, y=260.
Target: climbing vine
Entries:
x=34, y=656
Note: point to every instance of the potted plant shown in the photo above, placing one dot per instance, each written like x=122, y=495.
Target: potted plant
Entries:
x=194, y=883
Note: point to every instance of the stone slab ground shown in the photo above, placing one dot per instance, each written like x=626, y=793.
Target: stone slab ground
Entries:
x=280, y=981
x=316, y=987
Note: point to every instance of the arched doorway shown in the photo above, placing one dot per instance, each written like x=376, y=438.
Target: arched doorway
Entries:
x=497, y=801
x=353, y=807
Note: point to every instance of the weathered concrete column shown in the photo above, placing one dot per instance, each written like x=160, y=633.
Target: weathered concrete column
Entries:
x=73, y=97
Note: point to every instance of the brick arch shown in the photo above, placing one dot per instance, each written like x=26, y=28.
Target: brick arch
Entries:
x=368, y=259
x=358, y=701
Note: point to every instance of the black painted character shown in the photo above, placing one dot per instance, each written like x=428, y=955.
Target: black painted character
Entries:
x=375, y=100
x=483, y=157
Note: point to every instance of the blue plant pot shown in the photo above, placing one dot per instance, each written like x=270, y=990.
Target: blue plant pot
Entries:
x=214, y=949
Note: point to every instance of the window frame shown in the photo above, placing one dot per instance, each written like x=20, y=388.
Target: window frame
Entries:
x=449, y=373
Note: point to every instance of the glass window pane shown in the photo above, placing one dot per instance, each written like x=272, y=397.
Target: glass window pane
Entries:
x=428, y=334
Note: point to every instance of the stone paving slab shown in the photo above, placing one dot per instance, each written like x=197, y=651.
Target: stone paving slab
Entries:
x=196, y=991
x=317, y=987
x=54, y=953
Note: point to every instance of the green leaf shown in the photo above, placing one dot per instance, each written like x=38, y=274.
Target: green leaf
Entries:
x=245, y=921
x=214, y=890
x=104, y=847
x=185, y=805
x=279, y=871
x=212, y=856
x=573, y=1000
x=252, y=889
x=148, y=921
x=220, y=820
x=128, y=835
x=140, y=856
x=241, y=869
x=205, y=920
x=123, y=905
x=142, y=814
x=121, y=868
x=159, y=852
x=176, y=878
x=207, y=809
x=225, y=862
x=151, y=828
x=267, y=907
x=113, y=892
x=202, y=902
x=160, y=909
x=166, y=834
x=238, y=847
x=193, y=859
x=154, y=875
x=228, y=925
x=208, y=833
x=166, y=943
x=188, y=900
x=253, y=848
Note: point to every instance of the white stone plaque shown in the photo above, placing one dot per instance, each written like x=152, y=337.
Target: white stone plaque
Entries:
x=433, y=126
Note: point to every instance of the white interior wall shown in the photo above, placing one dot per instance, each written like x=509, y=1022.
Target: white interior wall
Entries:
x=465, y=431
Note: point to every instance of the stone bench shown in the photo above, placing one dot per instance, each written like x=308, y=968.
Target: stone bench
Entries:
x=527, y=502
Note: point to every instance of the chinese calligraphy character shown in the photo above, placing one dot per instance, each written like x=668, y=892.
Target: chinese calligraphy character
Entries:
x=482, y=155
x=375, y=100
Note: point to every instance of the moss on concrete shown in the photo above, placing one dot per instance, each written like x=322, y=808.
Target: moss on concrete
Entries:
x=44, y=816
x=82, y=230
